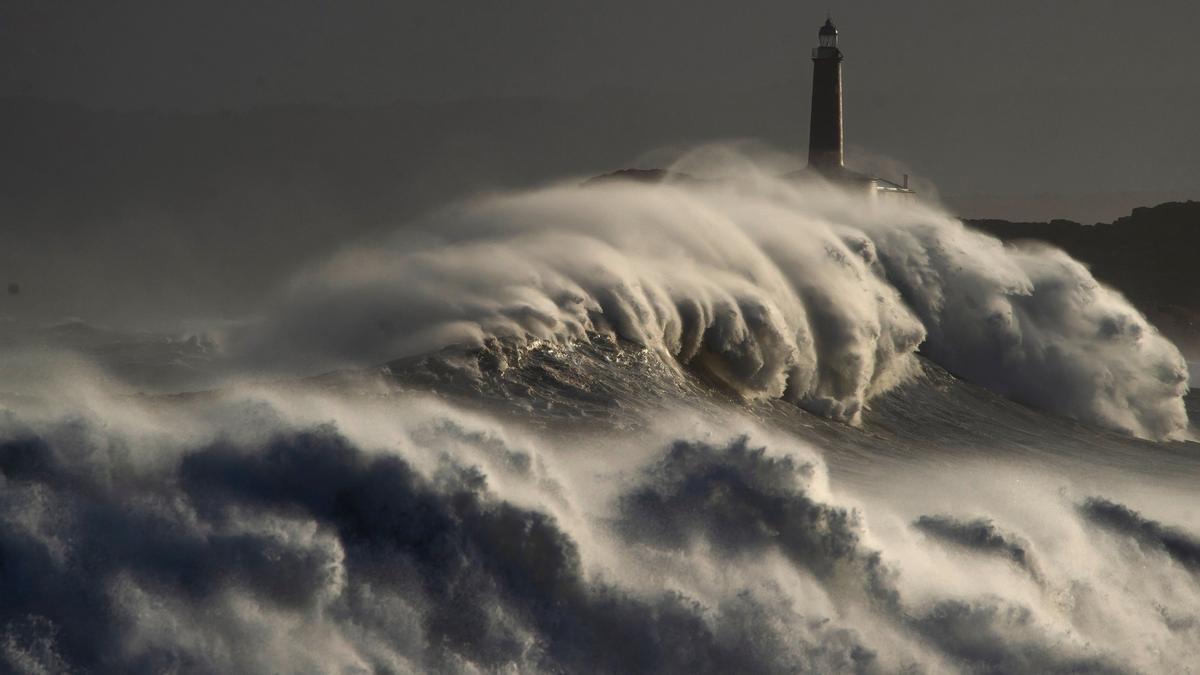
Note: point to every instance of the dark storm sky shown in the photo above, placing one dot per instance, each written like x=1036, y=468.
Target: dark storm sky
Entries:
x=162, y=168
x=216, y=53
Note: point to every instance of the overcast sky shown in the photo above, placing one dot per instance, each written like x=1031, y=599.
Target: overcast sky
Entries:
x=1020, y=110
x=1017, y=109
x=204, y=54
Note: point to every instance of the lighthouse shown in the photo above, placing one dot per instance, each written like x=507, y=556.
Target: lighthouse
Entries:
x=825, y=139
x=826, y=154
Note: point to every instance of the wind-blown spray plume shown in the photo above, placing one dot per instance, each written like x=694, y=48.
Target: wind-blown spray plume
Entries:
x=770, y=287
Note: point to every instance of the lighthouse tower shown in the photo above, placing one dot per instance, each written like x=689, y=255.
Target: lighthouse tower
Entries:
x=826, y=159
x=825, y=128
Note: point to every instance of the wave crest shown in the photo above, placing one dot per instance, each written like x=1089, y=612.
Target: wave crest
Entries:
x=769, y=287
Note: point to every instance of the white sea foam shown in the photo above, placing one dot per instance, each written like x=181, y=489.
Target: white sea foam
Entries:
x=772, y=286
x=286, y=528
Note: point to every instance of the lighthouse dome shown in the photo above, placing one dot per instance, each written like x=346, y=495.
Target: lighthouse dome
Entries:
x=828, y=28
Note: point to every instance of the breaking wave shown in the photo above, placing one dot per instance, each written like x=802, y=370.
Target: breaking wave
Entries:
x=771, y=287
x=410, y=536
x=565, y=440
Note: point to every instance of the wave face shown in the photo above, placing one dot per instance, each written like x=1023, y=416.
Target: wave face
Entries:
x=732, y=425
x=771, y=288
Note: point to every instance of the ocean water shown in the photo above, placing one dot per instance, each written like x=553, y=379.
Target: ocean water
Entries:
x=733, y=426
x=547, y=509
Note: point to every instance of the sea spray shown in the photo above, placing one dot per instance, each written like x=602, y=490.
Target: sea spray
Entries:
x=297, y=528
x=772, y=287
